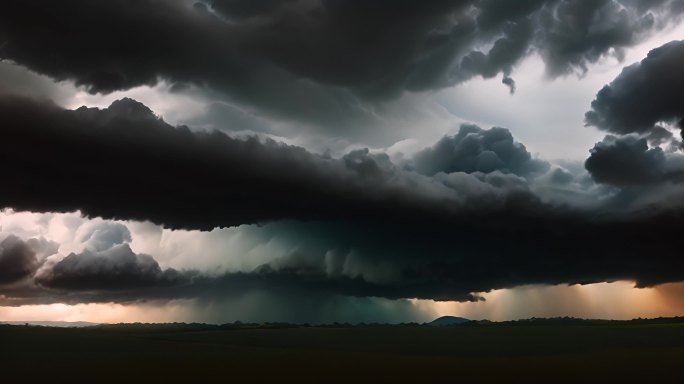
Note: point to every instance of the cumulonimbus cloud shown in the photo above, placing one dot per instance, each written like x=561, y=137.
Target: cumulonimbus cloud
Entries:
x=388, y=260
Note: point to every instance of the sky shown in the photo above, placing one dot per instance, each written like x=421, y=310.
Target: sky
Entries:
x=318, y=161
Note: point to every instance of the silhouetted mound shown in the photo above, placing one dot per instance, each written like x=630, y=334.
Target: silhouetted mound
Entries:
x=448, y=320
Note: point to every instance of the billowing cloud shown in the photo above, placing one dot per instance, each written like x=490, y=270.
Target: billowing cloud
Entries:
x=636, y=105
x=117, y=268
x=626, y=160
x=474, y=149
x=377, y=229
x=575, y=33
x=104, y=236
x=124, y=162
x=17, y=260
x=644, y=94
x=323, y=62
x=427, y=260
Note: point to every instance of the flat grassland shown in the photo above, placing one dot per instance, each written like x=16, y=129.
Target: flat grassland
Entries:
x=651, y=353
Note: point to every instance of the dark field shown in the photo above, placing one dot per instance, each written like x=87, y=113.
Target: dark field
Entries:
x=416, y=354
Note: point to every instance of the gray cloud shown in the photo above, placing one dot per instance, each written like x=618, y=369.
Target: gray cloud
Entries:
x=561, y=176
x=428, y=260
x=575, y=33
x=643, y=95
x=626, y=160
x=226, y=117
x=17, y=260
x=660, y=136
x=377, y=220
x=117, y=268
x=21, y=81
x=124, y=162
x=121, y=276
x=634, y=105
x=474, y=149
x=506, y=51
x=327, y=63
x=42, y=247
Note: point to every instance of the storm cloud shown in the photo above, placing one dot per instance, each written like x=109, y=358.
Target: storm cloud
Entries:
x=474, y=149
x=123, y=162
x=138, y=209
x=387, y=231
x=117, y=268
x=576, y=33
x=626, y=160
x=392, y=261
x=635, y=106
x=17, y=260
x=644, y=94
x=321, y=62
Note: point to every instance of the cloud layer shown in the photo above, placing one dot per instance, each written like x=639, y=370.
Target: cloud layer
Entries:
x=485, y=214
x=323, y=62
x=390, y=261
x=123, y=162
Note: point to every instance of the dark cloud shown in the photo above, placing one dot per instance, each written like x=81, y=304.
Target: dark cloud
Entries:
x=117, y=268
x=124, y=162
x=505, y=52
x=315, y=61
x=17, y=260
x=494, y=13
x=575, y=33
x=634, y=105
x=383, y=230
x=449, y=262
x=121, y=276
x=626, y=160
x=444, y=262
x=510, y=83
x=245, y=9
x=305, y=60
x=393, y=261
x=468, y=214
x=644, y=94
x=474, y=149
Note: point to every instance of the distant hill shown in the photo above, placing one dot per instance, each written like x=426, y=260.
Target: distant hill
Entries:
x=59, y=324
x=449, y=320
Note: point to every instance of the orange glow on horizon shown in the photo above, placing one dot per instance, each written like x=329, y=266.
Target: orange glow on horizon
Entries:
x=99, y=313
x=619, y=300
